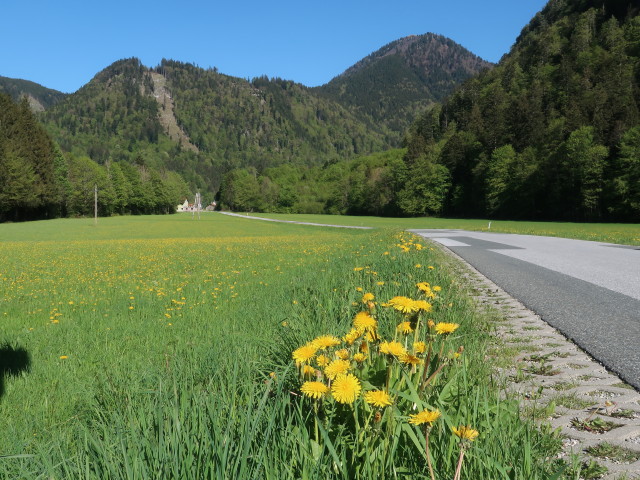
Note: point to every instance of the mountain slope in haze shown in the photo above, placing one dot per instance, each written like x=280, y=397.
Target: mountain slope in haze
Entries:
x=392, y=85
x=40, y=98
x=551, y=132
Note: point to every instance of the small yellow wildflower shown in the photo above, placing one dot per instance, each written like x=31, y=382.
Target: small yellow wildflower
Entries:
x=409, y=359
x=346, y=388
x=359, y=357
x=352, y=336
x=337, y=367
x=359, y=289
x=465, y=433
x=304, y=353
x=404, y=327
x=363, y=321
x=422, y=305
x=308, y=370
x=444, y=328
x=425, y=416
x=419, y=347
x=322, y=360
x=392, y=348
x=314, y=390
x=63, y=357
x=325, y=341
x=378, y=398
x=402, y=304
x=368, y=297
x=342, y=354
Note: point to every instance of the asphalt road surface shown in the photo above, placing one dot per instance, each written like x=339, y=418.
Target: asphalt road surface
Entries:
x=589, y=291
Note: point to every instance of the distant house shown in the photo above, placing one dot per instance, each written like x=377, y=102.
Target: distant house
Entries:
x=184, y=207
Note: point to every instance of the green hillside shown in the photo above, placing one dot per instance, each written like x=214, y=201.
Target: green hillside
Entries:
x=552, y=132
x=40, y=98
x=397, y=82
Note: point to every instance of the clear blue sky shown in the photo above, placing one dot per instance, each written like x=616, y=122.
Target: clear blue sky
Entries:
x=62, y=44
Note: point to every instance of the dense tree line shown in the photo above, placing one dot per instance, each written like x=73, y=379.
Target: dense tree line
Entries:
x=38, y=181
x=552, y=132
x=379, y=184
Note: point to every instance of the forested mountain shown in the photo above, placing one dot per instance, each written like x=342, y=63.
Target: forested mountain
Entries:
x=40, y=98
x=396, y=83
x=553, y=131
x=128, y=111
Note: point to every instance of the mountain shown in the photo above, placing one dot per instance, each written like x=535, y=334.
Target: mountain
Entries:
x=201, y=123
x=551, y=132
x=397, y=82
x=40, y=98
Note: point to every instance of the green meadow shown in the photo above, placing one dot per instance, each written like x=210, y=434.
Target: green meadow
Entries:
x=163, y=347
x=619, y=233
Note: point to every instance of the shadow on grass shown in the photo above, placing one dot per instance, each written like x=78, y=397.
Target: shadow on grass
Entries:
x=13, y=361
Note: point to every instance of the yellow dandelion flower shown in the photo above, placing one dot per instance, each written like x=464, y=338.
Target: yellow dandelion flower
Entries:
x=337, y=367
x=402, y=304
x=342, y=354
x=422, y=305
x=380, y=283
x=358, y=269
x=314, y=390
x=352, y=336
x=392, y=348
x=363, y=321
x=378, y=398
x=359, y=357
x=371, y=336
x=425, y=416
x=444, y=328
x=418, y=265
x=465, y=433
x=322, y=360
x=419, y=347
x=359, y=289
x=404, y=327
x=437, y=288
x=325, y=341
x=423, y=286
x=63, y=357
x=304, y=353
x=346, y=388
x=409, y=359
x=368, y=297
x=431, y=267
x=308, y=370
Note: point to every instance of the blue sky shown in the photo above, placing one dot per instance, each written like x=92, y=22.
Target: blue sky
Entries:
x=62, y=44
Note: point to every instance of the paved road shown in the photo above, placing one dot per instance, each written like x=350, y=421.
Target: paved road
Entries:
x=589, y=291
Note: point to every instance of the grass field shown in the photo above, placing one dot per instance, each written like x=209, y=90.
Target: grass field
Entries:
x=161, y=347
x=619, y=233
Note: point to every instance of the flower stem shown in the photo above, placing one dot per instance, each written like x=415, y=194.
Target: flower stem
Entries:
x=426, y=451
x=459, y=467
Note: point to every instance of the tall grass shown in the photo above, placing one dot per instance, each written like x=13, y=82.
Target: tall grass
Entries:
x=193, y=376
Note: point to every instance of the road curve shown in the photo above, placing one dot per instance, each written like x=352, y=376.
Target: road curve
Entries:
x=589, y=291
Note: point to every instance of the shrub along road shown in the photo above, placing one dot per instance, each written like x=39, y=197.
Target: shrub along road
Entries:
x=589, y=291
